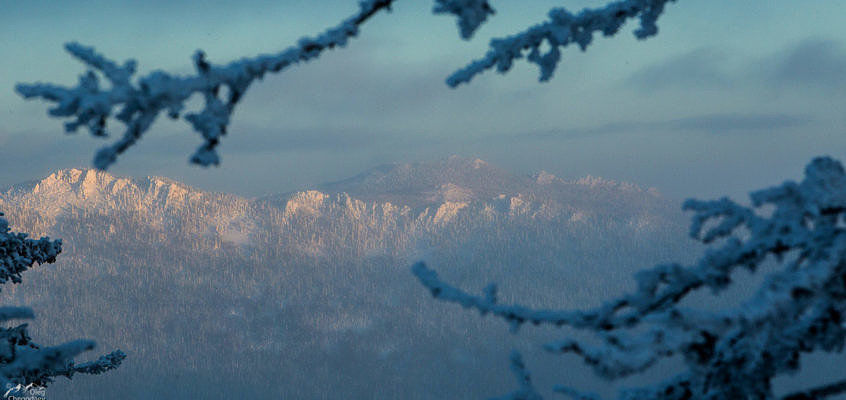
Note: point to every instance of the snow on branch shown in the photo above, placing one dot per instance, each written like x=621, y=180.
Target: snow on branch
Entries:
x=22, y=361
x=471, y=13
x=733, y=353
x=90, y=105
x=17, y=253
x=524, y=379
x=33, y=364
x=562, y=29
x=819, y=392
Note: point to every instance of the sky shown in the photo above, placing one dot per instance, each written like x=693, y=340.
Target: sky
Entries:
x=731, y=96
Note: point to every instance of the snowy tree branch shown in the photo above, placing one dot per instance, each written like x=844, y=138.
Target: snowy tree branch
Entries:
x=471, y=14
x=524, y=380
x=103, y=364
x=17, y=253
x=21, y=360
x=732, y=353
x=562, y=30
x=91, y=104
x=821, y=392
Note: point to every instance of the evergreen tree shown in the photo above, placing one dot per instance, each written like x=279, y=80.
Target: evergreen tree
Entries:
x=24, y=363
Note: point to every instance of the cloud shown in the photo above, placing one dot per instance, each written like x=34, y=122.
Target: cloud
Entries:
x=729, y=123
x=359, y=84
x=738, y=123
x=700, y=68
x=814, y=62
x=328, y=139
x=28, y=156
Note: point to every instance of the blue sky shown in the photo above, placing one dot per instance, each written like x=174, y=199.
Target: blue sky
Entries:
x=730, y=96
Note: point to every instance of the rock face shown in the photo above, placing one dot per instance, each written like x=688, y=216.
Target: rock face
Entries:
x=296, y=295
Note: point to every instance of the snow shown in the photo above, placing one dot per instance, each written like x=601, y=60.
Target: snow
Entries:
x=561, y=30
x=306, y=203
x=732, y=353
x=22, y=361
x=471, y=13
x=449, y=210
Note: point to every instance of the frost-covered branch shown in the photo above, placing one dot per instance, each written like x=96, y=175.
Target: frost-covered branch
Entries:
x=561, y=30
x=90, y=105
x=732, y=353
x=821, y=392
x=17, y=253
x=33, y=364
x=524, y=380
x=21, y=360
x=471, y=14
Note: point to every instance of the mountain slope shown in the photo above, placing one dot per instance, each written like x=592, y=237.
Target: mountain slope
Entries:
x=217, y=296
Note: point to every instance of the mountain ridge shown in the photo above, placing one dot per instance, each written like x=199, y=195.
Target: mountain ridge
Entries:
x=457, y=179
x=437, y=191
x=452, y=179
x=311, y=290
x=366, y=217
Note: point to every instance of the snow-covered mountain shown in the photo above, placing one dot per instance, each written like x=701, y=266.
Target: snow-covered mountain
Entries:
x=291, y=295
x=389, y=207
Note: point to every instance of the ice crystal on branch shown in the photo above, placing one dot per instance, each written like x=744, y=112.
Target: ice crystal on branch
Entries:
x=733, y=353
x=21, y=360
